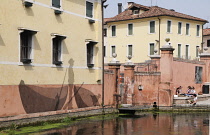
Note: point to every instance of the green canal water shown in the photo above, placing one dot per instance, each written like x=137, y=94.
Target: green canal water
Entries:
x=141, y=124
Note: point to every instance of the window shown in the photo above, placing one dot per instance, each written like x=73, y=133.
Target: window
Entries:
x=152, y=26
x=197, y=51
x=198, y=30
x=56, y=3
x=179, y=50
x=208, y=43
x=152, y=48
x=89, y=9
x=104, y=51
x=26, y=41
x=130, y=29
x=187, y=29
x=130, y=50
x=113, y=30
x=198, y=74
x=187, y=52
x=135, y=12
x=105, y=32
x=57, y=49
x=90, y=53
x=169, y=26
x=113, y=50
x=179, y=28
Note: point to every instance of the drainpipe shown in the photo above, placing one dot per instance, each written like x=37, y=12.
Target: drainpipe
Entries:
x=159, y=37
x=102, y=14
x=202, y=40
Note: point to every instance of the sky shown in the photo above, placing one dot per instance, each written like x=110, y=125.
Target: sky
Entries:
x=196, y=8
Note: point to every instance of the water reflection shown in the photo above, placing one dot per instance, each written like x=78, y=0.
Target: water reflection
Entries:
x=143, y=124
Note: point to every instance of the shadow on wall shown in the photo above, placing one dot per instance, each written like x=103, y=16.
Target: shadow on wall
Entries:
x=41, y=99
x=85, y=98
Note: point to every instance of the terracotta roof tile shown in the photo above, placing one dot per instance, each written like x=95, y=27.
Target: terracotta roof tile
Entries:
x=154, y=11
x=206, y=32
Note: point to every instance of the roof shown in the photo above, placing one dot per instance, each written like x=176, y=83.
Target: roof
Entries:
x=153, y=11
x=206, y=32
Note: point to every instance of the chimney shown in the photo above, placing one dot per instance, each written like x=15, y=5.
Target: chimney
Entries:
x=130, y=4
x=119, y=8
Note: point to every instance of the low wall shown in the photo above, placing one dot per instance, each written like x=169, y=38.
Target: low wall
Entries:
x=33, y=118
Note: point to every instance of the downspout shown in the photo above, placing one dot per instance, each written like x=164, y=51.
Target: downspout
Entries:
x=159, y=37
x=102, y=14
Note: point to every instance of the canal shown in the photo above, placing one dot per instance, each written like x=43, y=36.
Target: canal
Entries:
x=141, y=124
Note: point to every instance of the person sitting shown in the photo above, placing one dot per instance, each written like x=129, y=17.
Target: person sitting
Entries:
x=194, y=100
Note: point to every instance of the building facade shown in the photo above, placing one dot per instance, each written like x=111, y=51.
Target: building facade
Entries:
x=50, y=55
x=206, y=37
x=140, y=30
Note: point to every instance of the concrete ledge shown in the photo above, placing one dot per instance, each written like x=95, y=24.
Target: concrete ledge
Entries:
x=183, y=100
x=28, y=119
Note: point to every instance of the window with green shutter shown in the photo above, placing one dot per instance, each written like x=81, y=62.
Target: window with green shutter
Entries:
x=56, y=3
x=113, y=31
x=89, y=9
x=179, y=28
x=152, y=48
x=169, y=26
x=179, y=50
x=187, y=52
x=187, y=29
x=152, y=26
x=130, y=50
x=113, y=50
x=130, y=29
x=198, y=30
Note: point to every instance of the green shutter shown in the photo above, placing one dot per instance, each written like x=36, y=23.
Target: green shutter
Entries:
x=198, y=30
x=113, y=30
x=187, y=52
x=187, y=29
x=179, y=28
x=169, y=26
x=89, y=9
x=130, y=48
x=113, y=49
x=152, y=47
x=56, y=3
x=130, y=29
x=179, y=50
x=152, y=27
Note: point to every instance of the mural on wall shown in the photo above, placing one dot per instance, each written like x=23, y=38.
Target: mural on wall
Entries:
x=198, y=74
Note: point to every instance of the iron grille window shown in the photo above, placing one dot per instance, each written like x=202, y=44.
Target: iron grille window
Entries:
x=152, y=26
x=89, y=9
x=26, y=46
x=57, y=50
x=56, y=3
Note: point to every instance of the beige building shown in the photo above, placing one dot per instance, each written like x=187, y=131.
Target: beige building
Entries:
x=140, y=30
x=50, y=55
